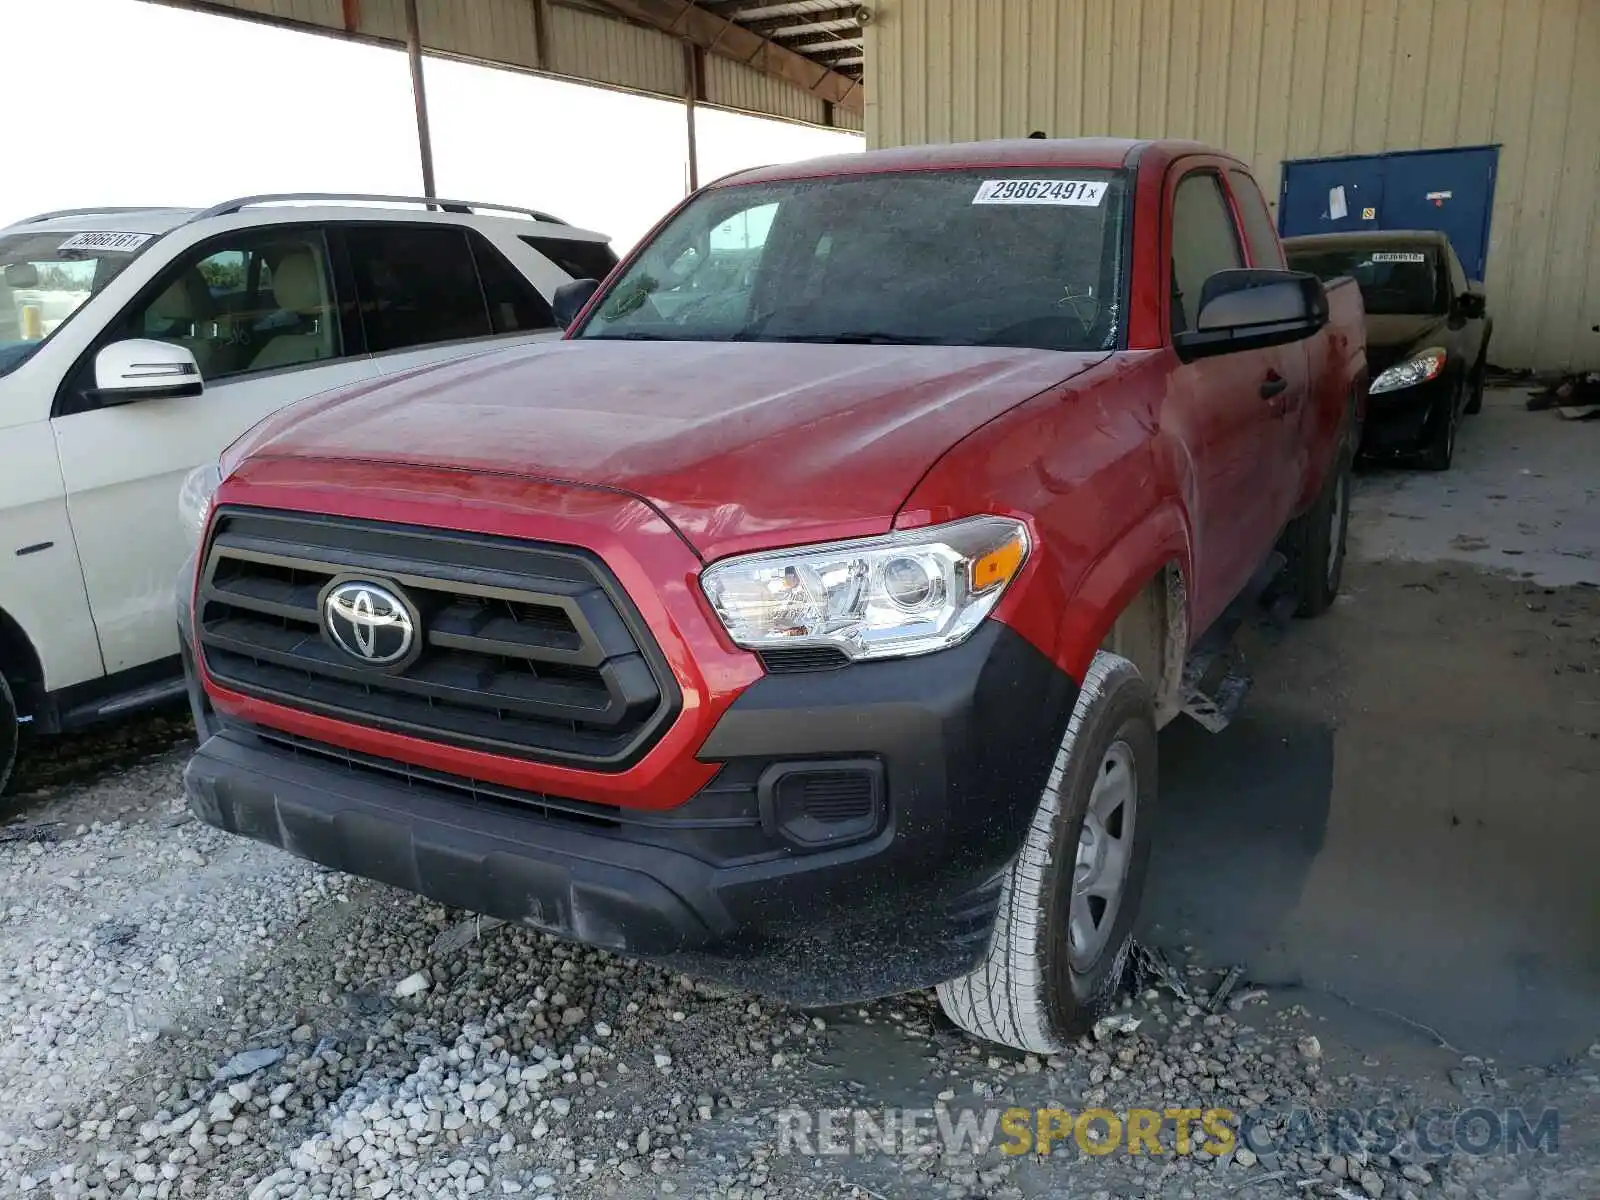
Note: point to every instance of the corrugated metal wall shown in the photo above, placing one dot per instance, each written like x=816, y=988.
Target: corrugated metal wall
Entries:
x=1278, y=79
x=583, y=45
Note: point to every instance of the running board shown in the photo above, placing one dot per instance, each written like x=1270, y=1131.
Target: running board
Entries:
x=1215, y=709
x=1215, y=705
x=153, y=695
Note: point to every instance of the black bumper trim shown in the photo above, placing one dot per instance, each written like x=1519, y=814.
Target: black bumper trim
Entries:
x=966, y=738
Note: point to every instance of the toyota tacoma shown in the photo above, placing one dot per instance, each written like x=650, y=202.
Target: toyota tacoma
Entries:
x=804, y=618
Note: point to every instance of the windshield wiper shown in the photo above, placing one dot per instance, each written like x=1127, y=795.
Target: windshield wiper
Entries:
x=629, y=336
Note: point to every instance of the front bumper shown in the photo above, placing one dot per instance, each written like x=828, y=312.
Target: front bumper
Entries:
x=1405, y=421
x=959, y=744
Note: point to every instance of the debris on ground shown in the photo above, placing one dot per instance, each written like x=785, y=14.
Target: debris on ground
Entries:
x=37, y=834
x=462, y=934
x=1114, y=1024
x=249, y=1062
x=1576, y=397
x=1225, y=988
x=1148, y=967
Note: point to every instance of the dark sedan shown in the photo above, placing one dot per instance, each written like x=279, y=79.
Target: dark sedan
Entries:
x=1427, y=336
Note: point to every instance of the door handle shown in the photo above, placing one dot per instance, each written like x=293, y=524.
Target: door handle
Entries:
x=1273, y=385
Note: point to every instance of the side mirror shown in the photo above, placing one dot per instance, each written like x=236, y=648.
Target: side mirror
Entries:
x=1249, y=309
x=1471, y=304
x=141, y=369
x=570, y=299
x=20, y=276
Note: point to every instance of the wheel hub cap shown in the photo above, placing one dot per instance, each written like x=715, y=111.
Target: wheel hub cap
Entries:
x=1105, y=849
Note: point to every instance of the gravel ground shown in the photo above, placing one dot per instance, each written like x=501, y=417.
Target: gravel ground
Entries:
x=187, y=1014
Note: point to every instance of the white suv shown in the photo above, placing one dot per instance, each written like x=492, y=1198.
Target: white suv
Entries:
x=136, y=344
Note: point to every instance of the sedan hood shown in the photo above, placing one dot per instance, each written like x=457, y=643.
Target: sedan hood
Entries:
x=740, y=445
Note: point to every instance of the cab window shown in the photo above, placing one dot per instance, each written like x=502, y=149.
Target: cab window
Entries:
x=1204, y=242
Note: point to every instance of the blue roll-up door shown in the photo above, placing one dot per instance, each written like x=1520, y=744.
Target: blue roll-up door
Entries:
x=1448, y=190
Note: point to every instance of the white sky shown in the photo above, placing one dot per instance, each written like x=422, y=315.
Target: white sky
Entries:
x=120, y=102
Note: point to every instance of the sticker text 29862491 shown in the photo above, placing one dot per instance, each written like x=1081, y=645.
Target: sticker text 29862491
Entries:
x=1077, y=193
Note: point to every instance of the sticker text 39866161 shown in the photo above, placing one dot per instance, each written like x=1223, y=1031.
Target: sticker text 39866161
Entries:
x=1076, y=193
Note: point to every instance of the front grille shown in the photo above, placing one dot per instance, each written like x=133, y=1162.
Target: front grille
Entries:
x=523, y=648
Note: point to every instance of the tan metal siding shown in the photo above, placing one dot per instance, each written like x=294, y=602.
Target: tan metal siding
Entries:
x=584, y=45
x=1280, y=79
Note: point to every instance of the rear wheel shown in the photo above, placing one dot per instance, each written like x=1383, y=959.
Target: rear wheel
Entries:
x=9, y=730
x=1317, y=540
x=1068, y=903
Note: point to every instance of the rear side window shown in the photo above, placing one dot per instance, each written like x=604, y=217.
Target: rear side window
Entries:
x=417, y=284
x=1258, y=231
x=1204, y=242
x=514, y=305
x=581, y=260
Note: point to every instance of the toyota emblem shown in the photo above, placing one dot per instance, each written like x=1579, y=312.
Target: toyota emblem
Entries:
x=369, y=622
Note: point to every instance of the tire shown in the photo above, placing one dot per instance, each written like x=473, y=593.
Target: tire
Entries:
x=1317, y=541
x=1440, y=450
x=1034, y=990
x=9, y=731
x=1475, y=384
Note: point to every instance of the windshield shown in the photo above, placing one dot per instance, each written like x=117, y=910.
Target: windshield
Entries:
x=1393, y=280
x=982, y=257
x=46, y=277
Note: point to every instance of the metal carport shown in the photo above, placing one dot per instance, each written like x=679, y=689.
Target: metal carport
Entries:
x=799, y=60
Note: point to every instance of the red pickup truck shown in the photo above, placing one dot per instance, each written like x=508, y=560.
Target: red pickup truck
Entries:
x=806, y=617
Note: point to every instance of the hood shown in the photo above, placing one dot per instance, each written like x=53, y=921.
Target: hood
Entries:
x=740, y=445
x=1394, y=337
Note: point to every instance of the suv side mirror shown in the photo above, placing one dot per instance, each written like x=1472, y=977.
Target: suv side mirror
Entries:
x=570, y=299
x=1251, y=308
x=143, y=369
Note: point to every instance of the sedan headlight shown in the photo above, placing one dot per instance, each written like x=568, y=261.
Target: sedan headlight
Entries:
x=907, y=593
x=1415, y=370
x=194, y=501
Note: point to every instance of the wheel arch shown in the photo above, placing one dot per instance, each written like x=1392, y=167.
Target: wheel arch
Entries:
x=19, y=661
x=1136, y=602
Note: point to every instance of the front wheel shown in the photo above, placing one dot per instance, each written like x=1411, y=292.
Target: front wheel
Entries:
x=1475, y=386
x=9, y=731
x=1068, y=903
x=1440, y=450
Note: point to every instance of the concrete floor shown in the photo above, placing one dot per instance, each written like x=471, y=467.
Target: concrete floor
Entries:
x=1406, y=814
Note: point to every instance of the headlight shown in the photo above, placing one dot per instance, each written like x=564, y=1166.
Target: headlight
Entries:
x=194, y=500
x=1420, y=369
x=885, y=597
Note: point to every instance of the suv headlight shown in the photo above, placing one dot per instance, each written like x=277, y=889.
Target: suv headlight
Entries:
x=886, y=597
x=194, y=501
x=1417, y=369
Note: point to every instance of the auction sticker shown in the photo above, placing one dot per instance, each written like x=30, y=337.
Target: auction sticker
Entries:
x=1076, y=193
x=1399, y=256
x=118, y=243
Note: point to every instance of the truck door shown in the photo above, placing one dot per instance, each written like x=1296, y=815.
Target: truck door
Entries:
x=1224, y=407
x=1286, y=446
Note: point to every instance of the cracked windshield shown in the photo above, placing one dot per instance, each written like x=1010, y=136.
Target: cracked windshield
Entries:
x=911, y=258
